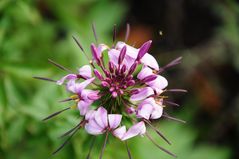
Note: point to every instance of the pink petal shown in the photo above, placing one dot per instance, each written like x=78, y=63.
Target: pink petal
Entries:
x=85, y=71
x=137, y=129
x=90, y=115
x=93, y=128
x=83, y=106
x=157, y=112
x=146, y=71
x=144, y=111
x=114, y=120
x=101, y=48
x=101, y=117
x=93, y=95
x=119, y=132
x=142, y=94
x=113, y=56
x=80, y=86
x=150, y=61
x=131, y=51
x=159, y=83
x=70, y=86
x=67, y=77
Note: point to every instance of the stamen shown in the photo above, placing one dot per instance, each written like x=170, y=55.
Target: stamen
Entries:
x=66, y=100
x=66, y=141
x=94, y=31
x=45, y=79
x=177, y=90
x=78, y=43
x=158, y=132
x=127, y=33
x=91, y=147
x=59, y=66
x=80, y=46
x=71, y=130
x=173, y=118
x=171, y=103
x=104, y=145
x=171, y=64
x=161, y=148
x=55, y=114
x=128, y=150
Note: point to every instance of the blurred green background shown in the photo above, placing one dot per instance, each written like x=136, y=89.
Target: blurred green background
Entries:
x=205, y=33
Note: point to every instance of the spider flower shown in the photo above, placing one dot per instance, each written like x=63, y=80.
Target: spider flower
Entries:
x=120, y=96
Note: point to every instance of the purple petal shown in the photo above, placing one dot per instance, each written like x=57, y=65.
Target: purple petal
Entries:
x=85, y=71
x=119, y=132
x=142, y=94
x=67, y=77
x=101, y=117
x=114, y=120
x=137, y=129
x=93, y=128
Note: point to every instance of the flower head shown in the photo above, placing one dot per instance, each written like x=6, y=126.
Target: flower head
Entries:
x=119, y=96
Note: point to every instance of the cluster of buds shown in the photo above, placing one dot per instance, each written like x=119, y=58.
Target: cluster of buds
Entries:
x=124, y=89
